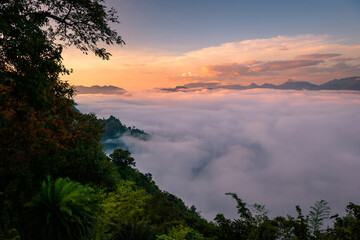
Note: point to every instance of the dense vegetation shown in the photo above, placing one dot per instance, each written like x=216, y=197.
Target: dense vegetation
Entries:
x=91, y=195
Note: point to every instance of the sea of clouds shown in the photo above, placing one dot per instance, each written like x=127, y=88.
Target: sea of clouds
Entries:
x=274, y=147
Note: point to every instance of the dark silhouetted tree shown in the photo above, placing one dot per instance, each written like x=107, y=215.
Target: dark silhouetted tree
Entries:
x=122, y=158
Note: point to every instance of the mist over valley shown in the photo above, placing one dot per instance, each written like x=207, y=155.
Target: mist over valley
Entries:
x=280, y=148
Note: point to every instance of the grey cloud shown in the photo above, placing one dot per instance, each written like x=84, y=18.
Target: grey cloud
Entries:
x=341, y=68
x=288, y=64
x=322, y=56
x=345, y=59
x=261, y=67
x=278, y=148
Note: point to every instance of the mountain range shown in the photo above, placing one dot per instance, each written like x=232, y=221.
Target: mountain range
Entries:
x=350, y=83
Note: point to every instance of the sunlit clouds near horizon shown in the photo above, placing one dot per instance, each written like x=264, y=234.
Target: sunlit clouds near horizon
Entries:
x=274, y=147
x=313, y=58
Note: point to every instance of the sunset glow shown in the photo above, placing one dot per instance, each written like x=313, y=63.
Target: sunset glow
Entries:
x=274, y=60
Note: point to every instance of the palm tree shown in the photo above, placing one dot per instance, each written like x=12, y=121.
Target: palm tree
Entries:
x=63, y=209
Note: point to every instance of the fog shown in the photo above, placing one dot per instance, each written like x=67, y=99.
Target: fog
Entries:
x=274, y=147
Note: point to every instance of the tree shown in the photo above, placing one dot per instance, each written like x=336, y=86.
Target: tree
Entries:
x=318, y=213
x=33, y=33
x=61, y=210
x=181, y=232
x=253, y=224
x=301, y=227
x=135, y=231
x=243, y=211
x=40, y=132
x=79, y=23
x=122, y=158
x=347, y=227
x=286, y=227
x=125, y=206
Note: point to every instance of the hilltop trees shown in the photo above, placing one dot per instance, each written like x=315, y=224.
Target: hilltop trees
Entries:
x=122, y=158
x=253, y=222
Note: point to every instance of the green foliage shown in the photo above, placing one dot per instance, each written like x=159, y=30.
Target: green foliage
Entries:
x=243, y=211
x=286, y=227
x=10, y=234
x=164, y=210
x=301, y=227
x=347, y=227
x=124, y=164
x=181, y=232
x=61, y=210
x=253, y=224
x=124, y=206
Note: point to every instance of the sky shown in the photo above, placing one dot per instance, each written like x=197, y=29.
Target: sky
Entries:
x=279, y=148
x=173, y=42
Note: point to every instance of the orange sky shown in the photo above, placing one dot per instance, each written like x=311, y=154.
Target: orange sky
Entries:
x=313, y=58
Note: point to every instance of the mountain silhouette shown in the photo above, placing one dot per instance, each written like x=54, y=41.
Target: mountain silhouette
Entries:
x=350, y=83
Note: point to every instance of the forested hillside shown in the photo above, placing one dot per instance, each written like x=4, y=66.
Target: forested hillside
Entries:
x=114, y=130
x=56, y=182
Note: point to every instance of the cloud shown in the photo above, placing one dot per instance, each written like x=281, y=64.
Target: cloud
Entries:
x=255, y=68
x=345, y=59
x=278, y=148
x=319, y=56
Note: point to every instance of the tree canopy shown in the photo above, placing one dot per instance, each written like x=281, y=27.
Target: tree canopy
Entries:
x=40, y=132
x=82, y=23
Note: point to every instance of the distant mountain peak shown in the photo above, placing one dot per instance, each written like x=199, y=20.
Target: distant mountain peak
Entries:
x=96, y=89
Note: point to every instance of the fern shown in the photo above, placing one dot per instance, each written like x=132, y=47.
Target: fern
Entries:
x=63, y=209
